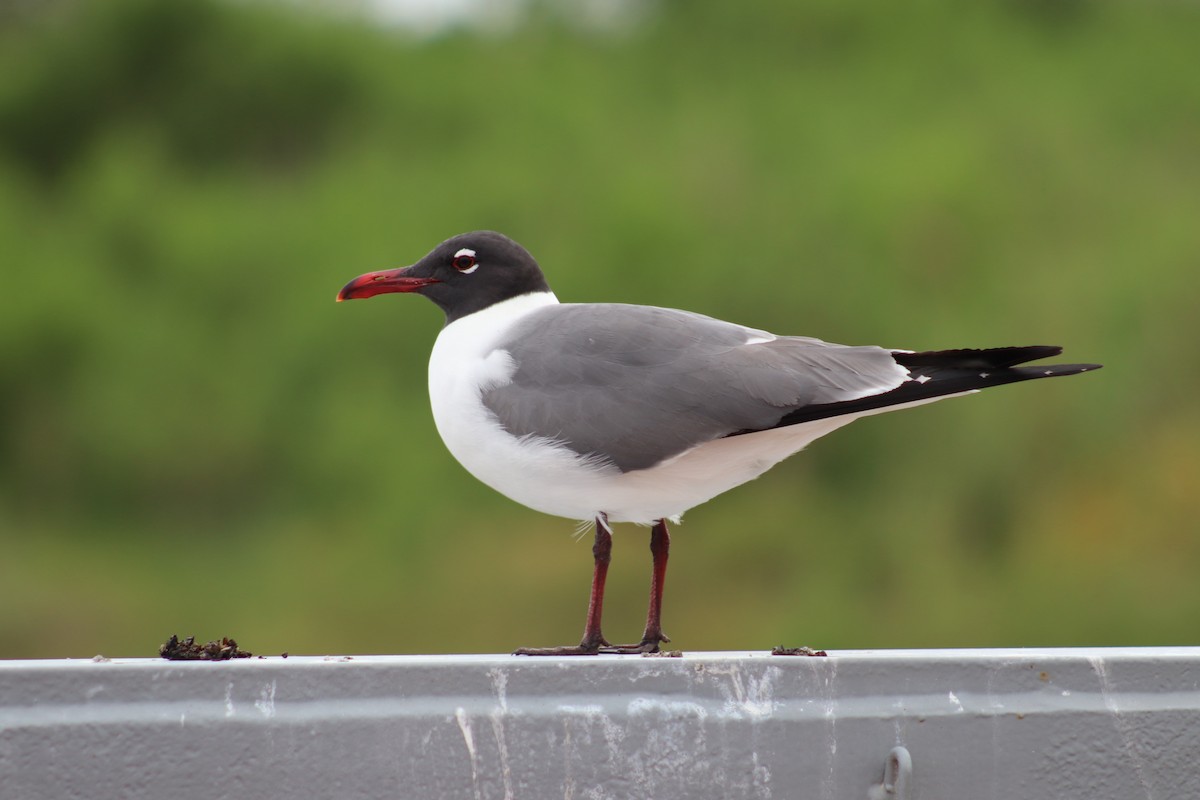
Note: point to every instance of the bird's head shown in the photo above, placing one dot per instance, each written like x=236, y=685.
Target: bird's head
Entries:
x=463, y=274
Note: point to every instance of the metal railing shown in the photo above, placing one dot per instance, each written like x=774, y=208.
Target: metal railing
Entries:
x=960, y=724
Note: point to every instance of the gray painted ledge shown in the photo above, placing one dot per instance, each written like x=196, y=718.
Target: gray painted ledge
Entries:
x=954, y=724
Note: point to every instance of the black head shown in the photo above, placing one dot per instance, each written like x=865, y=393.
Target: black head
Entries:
x=463, y=274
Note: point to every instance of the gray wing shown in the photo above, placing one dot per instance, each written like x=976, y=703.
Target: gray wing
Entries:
x=636, y=385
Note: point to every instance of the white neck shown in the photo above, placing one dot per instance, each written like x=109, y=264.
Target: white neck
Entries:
x=499, y=316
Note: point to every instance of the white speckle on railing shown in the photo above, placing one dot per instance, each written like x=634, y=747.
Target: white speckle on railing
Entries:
x=1120, y=723
x=266, y=700
x=464, y=725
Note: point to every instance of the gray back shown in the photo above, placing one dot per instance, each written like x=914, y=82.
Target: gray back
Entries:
x=637, y=385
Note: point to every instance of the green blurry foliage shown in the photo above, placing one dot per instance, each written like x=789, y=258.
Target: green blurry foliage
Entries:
x=195, y=439
x=209, y=82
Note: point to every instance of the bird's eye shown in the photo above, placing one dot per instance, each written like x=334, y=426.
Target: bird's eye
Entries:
x=464, y=261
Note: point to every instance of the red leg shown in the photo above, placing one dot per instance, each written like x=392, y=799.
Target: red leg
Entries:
x=593, y=638
x=660, y=546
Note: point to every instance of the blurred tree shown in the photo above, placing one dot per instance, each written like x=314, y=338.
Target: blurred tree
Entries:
x=200, y=75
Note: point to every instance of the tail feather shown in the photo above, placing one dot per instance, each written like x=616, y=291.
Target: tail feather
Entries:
x=939, y=373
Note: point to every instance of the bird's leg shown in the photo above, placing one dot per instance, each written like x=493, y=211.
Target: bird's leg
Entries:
x=593, y=638
x=660, y=546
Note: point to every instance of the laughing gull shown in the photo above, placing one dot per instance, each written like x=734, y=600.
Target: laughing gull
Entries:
x=626, y=413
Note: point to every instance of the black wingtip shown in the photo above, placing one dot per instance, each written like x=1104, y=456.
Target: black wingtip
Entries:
x=940, y=373
x=1055, y=370
x=979, y=369
x=989, y=358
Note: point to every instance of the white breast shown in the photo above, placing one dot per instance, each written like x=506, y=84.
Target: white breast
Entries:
x=531, y=471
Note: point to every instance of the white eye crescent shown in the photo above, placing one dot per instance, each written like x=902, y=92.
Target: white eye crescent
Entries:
x=464, y=261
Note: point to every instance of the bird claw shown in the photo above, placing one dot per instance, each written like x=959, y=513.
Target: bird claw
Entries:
x=565, y=650
x=631, y=649
x=649, y=644
x=590, y=646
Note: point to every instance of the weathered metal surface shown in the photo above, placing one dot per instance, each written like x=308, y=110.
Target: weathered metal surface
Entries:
x=1088, y=724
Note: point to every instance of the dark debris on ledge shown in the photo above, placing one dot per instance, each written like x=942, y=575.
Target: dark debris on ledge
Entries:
x=175, y=649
